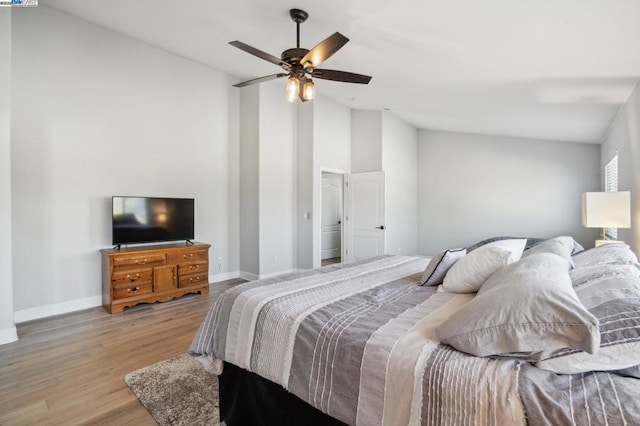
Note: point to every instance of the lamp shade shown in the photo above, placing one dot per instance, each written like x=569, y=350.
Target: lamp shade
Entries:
x=606, y=209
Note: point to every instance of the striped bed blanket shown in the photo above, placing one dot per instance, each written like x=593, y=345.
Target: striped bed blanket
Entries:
x=358, y=342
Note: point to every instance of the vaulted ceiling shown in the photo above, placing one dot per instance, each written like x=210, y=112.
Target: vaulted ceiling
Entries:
x=548, y=69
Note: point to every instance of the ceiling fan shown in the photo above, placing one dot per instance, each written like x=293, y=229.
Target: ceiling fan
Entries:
x=300, y=64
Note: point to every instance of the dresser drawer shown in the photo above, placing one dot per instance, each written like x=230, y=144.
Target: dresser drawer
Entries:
x=187, y=256
x=193, y=268
x=131, y=277
x=125, y=262
x=132, y=290
x=194, y=279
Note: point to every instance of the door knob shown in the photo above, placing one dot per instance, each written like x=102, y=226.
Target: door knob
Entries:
x=380, y=227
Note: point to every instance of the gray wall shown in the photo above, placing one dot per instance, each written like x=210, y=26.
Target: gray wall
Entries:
x=249, y=188
x=7, y=328
x=624, y=136
x=472, y=187
x=96, y=114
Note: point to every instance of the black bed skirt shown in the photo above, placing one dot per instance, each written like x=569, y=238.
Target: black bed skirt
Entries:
x=248, y=399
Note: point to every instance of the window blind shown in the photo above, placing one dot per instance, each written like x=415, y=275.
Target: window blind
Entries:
x=611, y=185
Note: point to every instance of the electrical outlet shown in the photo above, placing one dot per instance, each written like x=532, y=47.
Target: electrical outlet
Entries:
x=219, y=260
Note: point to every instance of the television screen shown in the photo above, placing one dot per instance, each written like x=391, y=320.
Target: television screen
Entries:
x=147, y=220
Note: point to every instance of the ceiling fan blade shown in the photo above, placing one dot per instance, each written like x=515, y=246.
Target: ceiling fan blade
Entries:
x=260, y=54
x=260, y=79
x=347, y=77
x=323, y=50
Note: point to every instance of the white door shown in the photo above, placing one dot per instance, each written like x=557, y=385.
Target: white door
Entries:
x=331, y=234
x=365, y=215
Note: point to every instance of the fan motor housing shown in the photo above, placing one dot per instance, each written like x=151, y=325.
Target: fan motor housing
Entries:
x=294, y=55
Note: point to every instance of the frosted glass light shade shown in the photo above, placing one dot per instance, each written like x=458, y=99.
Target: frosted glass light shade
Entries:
x=293, y=89
x=308, y=90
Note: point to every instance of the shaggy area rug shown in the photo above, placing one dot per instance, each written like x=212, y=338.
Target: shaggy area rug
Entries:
x=177, y=391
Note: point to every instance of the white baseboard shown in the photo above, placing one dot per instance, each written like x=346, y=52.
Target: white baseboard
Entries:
x=273, y=274
x=253, y=277
x=8, y=335
x=91, y=302
x=56, y=309
x=216, y=278
x=248, y=276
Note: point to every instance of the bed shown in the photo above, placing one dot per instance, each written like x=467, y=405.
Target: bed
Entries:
x=364, y=343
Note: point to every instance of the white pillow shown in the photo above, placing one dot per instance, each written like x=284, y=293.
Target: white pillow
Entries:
x=528, y=310
x=515, y=246
x=562, y=246
x=611, y=293
x=469, y=273
x=439, y=265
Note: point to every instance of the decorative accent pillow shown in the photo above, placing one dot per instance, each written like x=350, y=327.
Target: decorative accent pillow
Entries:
x=531, y=242
x=527, y=310
x=469, y=273
x=614, y=298
x=439, y=265
x=562, y=246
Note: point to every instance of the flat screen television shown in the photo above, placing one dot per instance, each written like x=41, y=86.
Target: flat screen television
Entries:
x=149, y=220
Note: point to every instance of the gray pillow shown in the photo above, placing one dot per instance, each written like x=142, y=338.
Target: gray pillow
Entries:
x=527, y=309
x=439, y=265
x=471, y=272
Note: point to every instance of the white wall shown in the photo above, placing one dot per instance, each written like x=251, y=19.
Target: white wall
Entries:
x=7, y=327
x=624, y=136
x=472, y=187
x=277, y=181
x=366, y=141
x=304, y=186
x=399, y=152
x=381, y=141
x=96, y=114
x=331, y=152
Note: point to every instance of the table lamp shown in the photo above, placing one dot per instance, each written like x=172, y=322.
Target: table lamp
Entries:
x=606, y=210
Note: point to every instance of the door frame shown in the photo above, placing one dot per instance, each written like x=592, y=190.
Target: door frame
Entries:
x=317, y=219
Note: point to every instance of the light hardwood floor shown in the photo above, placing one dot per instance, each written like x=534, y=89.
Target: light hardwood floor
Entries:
x=70, y=369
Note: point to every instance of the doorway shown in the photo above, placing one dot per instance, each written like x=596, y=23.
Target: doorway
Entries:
x=332, y=196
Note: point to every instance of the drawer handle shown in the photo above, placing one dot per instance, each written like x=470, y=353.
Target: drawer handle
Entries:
x=144, y=262
x=194, y=279
x=133, y=290
x=194, y=266
x=187, y=255
x=135, y=277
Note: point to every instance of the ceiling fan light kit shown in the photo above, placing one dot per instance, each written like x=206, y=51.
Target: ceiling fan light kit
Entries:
x=301, y=63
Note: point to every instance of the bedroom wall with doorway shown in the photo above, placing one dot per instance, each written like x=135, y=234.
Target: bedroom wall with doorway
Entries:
x=382, y=142
x=472, y=187
x=324, y=143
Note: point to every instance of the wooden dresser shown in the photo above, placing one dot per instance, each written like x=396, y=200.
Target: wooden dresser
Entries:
x=153, y=274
